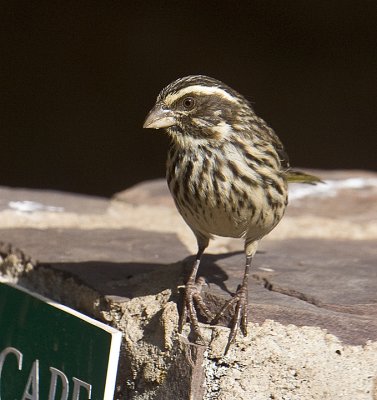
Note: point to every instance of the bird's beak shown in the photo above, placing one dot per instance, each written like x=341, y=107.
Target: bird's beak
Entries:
x=158, y=118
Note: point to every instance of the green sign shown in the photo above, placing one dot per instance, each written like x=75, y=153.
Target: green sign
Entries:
x=51, y=352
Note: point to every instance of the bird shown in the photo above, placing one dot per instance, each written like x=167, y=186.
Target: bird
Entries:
x=228, y=173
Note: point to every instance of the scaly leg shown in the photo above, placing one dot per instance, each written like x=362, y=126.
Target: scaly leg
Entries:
x=193, y=297
x=240, y=300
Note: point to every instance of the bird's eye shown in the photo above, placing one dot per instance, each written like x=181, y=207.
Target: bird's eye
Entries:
x=188, y=103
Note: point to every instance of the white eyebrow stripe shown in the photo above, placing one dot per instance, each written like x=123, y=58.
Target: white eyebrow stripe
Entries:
x=198, y=89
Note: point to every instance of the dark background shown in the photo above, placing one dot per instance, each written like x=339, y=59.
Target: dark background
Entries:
x=78, y=78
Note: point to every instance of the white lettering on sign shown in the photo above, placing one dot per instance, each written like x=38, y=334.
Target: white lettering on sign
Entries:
x=32, y=383
x=55, y=373
x=31, y=391
x=77, y=384
x=4, y=353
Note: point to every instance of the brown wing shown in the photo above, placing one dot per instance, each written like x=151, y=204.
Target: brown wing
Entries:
x=269, y=135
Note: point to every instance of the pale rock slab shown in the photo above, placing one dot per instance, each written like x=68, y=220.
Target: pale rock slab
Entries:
x=313, y=304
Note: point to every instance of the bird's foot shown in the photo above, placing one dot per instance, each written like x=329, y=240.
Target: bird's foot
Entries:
x=192, y=297
x=240, y=301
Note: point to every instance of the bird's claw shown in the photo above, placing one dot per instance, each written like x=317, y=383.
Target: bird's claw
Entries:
x=240, y=317
x=192, y=297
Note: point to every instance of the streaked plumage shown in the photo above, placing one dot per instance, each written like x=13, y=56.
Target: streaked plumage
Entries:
x=227, y=171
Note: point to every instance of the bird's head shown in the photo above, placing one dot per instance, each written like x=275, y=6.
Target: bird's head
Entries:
x=198, y=107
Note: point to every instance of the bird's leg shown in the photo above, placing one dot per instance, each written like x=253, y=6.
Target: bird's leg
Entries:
x=240, y=300
x=193, y=297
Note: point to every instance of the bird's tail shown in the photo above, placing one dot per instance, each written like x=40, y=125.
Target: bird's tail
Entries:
x=294, y=176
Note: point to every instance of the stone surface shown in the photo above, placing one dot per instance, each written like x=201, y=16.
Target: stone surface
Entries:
x=313, y=302
x=330, y=284
x=102, y=259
